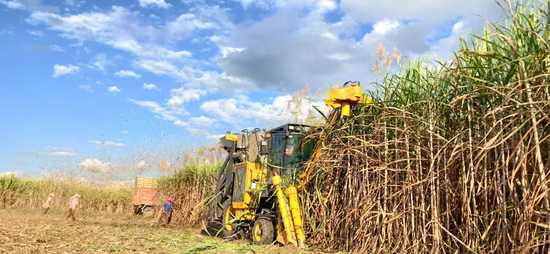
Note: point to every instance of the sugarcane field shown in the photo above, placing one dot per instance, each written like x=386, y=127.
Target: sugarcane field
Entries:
x=275, y=126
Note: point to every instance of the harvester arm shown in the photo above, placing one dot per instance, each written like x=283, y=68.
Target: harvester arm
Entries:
x=341, y=97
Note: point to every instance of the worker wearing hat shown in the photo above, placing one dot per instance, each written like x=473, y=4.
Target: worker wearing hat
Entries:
x=48, y=202
x=167, y=210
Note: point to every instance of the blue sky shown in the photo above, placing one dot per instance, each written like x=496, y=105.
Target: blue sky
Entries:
x=106, y=86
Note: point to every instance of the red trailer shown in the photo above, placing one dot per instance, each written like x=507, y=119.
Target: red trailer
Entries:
x=145, y=195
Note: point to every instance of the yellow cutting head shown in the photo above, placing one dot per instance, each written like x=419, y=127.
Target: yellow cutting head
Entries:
x=345, y=97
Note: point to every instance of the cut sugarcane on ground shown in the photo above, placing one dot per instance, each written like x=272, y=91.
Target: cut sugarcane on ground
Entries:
x=28, y=231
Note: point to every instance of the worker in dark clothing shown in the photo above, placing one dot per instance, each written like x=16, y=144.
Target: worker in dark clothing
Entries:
x=167, y=210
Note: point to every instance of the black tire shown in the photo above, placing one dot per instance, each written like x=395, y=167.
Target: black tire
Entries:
x=147, y=211
x=263, y=231
x=230, y=228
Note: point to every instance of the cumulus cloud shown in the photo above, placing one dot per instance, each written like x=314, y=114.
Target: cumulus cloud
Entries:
x=101, y=62
x=86, y=88
x=205, y=18
x=150, y=87
x=292, y=45
x=124, y=132
x=202, y=121
x=38, y=34
x=113, y=89
x=60, y=70
x=154, y=3
x=60, y=154
x=13, y=4
x=164, y=68
x=154, y=47
x=437, y=10
x=128, y=74
x=96, y=166
x=106, y=143
x=242, y=112
x=118, y=28
x=175, y=111
x=163, y=112
x=193, y=130
x=286, y=50
x=297, y=45
x=182, y=95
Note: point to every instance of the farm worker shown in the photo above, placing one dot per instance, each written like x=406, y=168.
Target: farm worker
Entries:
x=167, y=210
x=46, y=204
x=73, y=204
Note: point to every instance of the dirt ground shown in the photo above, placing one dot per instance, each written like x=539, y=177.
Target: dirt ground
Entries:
x=27, y=231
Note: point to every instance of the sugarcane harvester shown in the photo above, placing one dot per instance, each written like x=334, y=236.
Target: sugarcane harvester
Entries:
x=254, y=192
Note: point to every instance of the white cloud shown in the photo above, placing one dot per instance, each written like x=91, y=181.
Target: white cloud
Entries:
x=96, y=166
x=57, y=48
x=124, y=132
x=285, y=51
x=127, y=74
x=296, y=44
x=61, y=154
x=325, y=6
x=163, y=68
x=113, y=89
x=438, y=10
x=202, y=121
x=150, y=87
x=119, y=28
x=228, y=50
x=13, y=4
x=241, y=112
x=339, y=57
x=101, y=62
x=38, y=34
x=181, y=123
x=60, y=70
x=172, y=113
x=154, y=3
x=290, y=45
x=182, y=95
x=86, y=88
x=106, y=143
x=208, y=18
x=155, y=47
x=385, y=26
x=164, y=113
x=193, y=130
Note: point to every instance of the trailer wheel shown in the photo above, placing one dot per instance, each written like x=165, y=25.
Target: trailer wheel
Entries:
x=263, y=232
x=229, y=225
x=147, y=211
